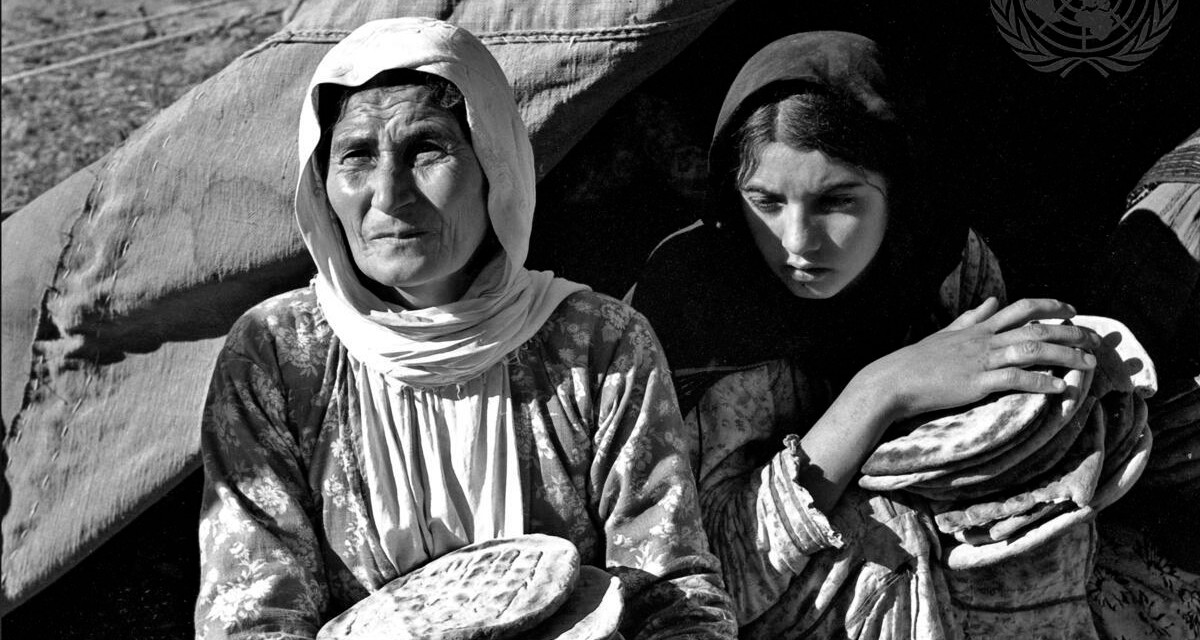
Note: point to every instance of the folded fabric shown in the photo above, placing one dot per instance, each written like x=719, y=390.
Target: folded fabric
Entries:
x=1178, y=407
x=1042, y=593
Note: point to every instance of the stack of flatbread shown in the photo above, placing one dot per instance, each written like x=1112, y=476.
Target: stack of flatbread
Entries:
x=1017, y=469
x=1175, y=422
x=530, y=587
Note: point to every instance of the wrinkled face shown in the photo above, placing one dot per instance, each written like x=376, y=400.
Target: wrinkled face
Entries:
x=409, y=192
x=818, y=222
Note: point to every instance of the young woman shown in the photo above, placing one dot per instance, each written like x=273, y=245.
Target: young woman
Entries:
x=825, y=298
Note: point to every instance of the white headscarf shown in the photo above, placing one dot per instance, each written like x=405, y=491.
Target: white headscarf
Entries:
x=430, y=387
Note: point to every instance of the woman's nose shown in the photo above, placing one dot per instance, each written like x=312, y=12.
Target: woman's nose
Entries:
x=393, y=187
x=800, y=233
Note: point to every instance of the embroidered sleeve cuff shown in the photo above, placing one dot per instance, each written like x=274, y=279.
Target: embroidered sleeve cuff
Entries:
x=790, y=527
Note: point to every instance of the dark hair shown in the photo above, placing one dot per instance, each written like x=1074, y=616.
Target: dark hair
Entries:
x=812, y=118
x=332, y=99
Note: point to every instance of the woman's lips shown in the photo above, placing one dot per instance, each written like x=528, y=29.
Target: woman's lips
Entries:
x=809, y=273
x=399, y=236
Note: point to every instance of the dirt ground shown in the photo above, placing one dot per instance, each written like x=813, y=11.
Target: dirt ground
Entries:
x=60, y=121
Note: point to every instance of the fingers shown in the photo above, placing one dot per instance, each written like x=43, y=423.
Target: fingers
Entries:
x=972, y=317
x=1014, y=379
x=1034, y=353
x=1026, y=310
x=1066, y=335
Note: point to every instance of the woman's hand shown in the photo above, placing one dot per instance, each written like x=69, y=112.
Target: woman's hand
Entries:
x=984, y=351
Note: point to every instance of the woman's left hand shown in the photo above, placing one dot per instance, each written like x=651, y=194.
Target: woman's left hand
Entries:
x=985, y=350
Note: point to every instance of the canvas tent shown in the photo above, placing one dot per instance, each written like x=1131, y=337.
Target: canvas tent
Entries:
x=120, y=283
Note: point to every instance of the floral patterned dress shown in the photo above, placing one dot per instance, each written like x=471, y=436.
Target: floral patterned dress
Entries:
x=286, y=534
x=871, y=568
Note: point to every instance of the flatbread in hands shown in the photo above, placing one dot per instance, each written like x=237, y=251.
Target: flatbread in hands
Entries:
x=955, y=437
x=1007, y=528
x=1015, y=468
x=1074, y=479
x=959, y=438
x=1122, y=362
x=930, y=477
x=593, y=611
x=484, y=591
x=960, y=556
x=1126, y=420
x=1115, y=485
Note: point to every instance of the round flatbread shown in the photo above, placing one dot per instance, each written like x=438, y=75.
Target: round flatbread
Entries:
x=902, y=480
x=1122, y=480
x=968, y=556
x=484, y=591
x=1009, y=527
x=1131, y=369
x=955, y=437
x=1021, y=466
x=1074, y=480
x=593, y=611
x=1126, y=422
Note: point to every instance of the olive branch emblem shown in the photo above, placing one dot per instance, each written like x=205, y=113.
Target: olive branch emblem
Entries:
x=1036, y=50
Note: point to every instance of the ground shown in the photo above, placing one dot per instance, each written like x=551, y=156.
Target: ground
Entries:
x=58, y=122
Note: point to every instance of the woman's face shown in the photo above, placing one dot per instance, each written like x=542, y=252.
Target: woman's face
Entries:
x=818, y=222
x=409, y=192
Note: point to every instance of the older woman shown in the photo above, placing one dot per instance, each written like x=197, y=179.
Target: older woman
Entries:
x=803, y=321
x=427, y=391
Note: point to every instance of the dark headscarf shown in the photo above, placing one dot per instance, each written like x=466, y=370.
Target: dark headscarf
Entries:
x=717, y=306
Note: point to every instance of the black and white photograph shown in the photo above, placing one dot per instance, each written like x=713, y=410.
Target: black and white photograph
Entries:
x=600, y=319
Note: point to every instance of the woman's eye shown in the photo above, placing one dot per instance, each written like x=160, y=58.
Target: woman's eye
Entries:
x=838, y=202
x=355, y=156
x=427, y=152
x=763, y=204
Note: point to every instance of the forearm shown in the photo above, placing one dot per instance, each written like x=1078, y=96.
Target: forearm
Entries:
x=836, y=446
x=260, y=564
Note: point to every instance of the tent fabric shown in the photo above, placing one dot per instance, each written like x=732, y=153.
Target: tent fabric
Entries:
x=120, y=283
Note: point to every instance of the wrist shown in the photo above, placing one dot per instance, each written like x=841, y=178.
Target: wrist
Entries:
x=874, y=391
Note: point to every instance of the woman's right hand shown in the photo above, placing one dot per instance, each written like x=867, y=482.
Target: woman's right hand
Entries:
x=986, y=350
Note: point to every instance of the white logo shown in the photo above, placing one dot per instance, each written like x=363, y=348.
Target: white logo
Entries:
x=1060, y=35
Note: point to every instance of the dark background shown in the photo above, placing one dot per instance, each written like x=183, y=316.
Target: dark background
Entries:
x=1038, y=163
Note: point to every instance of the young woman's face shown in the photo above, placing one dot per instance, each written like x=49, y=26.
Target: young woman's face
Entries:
x=817, y=222
x=409, y=192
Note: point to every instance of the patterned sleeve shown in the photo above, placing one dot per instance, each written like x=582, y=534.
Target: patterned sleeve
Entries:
x=761, y=522
x=260, y=566
x=644, y=491
x=976, y=277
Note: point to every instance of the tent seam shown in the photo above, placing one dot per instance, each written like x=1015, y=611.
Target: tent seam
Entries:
x=533, y=36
